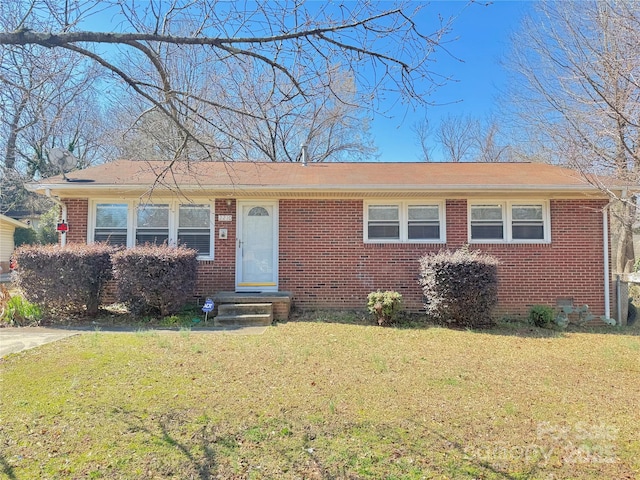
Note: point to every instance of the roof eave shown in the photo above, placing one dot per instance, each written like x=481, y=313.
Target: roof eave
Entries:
x=13, y=222
x=63, y=187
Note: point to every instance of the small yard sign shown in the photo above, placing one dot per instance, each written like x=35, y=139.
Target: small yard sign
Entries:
x=207, y=307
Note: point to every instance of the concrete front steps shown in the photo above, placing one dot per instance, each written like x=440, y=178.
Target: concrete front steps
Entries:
x=244, y=315
x=280, y=302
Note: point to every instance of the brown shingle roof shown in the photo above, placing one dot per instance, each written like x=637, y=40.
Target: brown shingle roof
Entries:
x=326, y=177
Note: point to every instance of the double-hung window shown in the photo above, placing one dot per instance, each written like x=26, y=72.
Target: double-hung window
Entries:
x=399, y=222
x=423, y=222
x=487, y=222
x=509, y=222
x=194, y=228
x=152, y=224
x=384, y=222
x=527, y=222
x=111, y=220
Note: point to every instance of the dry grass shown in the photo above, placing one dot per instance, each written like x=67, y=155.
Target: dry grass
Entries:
x=324, y=400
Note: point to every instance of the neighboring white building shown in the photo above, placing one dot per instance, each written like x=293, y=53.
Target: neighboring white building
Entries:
x=7, y=227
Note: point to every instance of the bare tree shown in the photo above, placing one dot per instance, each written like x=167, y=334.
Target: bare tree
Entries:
x=423, y=133
x=578, y=95
x=274, y=132
x=489, y=144
x=462, y=139
x=295, y=47
x=48, y=100
x=331, y=130
x=456, y=136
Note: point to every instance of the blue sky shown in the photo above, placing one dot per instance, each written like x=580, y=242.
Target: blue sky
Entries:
x=478, y=42
x=482, y=39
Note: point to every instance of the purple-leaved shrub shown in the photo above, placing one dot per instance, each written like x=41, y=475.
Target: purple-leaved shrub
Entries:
x=460, y=287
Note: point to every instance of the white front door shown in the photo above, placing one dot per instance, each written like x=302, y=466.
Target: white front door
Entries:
x=257, y=246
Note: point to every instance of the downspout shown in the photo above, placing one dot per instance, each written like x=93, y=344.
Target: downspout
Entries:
x=618, y=297
x=63, y=214
x=605, y=234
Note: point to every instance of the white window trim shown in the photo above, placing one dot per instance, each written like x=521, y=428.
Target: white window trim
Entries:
x=508, y=221
x=132, y=207
x=403, y=207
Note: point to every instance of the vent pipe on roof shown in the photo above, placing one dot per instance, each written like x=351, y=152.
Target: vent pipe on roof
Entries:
x=303, y=154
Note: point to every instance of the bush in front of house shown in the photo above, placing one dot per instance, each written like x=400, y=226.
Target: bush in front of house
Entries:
x=384, y=306
x=24, y=236
x=44, y=234
x=541, y=315
x=460, y=287
x=155, y=278
x=63, y=279
x=19, y=312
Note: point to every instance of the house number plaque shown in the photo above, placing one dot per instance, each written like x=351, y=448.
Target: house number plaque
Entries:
x=224, y=218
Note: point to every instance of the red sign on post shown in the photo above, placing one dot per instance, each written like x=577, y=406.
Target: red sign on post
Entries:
x=63, y=227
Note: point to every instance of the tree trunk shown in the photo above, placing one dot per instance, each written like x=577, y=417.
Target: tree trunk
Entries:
x=14, y=129
x=622, y=219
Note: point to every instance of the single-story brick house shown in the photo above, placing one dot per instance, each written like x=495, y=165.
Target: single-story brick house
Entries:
x=330, y=233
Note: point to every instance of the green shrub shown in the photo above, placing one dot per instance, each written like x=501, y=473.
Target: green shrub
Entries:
x=155, y=278
x=19, y=311
x=384, y=306
x=24, y=236
x=47, y=232
x=541, y=315
x=66, y=278
x=460, y=287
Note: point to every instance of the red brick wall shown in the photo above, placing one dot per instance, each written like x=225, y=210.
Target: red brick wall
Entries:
x=571, y=266
x=220, y=273
x=77, y=215
x=456, y=218
x=325, y=263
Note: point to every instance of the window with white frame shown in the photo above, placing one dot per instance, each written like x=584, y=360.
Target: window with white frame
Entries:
x=527, y=222
x=487, y=222
x=423, y=222
x=395, y=222
x=111, y=220
x=194, y=228
x=384, y=222
x=152, y=224
x=513, y=221
x=130, y=224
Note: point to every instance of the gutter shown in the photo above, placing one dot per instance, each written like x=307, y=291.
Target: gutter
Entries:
x=326, y=188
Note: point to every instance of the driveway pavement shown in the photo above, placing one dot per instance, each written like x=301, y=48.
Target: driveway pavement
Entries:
x=13, y=340
x=16, y=339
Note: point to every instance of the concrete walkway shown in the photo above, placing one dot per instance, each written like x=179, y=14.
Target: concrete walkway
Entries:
x=16, y=339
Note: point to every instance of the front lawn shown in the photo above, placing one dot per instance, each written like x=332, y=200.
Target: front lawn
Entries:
x=324, y=400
